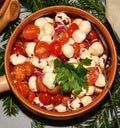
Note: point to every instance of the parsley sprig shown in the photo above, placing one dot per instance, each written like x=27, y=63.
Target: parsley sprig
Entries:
x=69, y=77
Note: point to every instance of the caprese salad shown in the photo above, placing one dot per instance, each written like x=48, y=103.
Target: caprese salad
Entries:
x=57, y=63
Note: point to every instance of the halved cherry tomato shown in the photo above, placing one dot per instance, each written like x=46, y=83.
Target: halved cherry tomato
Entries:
x=19, y=72
x=30, y=32
x=18, y=50
x=41, y=50
x=61, y=35
x=76, y=47
x=22, y=88
x=92, y=76
x=55, y=48
x=57, y=99
x=40, y=86
x=72, y=28
x=28, y=67
x=45, y=98
x=92, y=35
x=55, y=90
x=31, y=96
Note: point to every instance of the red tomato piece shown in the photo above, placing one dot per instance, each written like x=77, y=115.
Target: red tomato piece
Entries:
x=40, y=86
x=22, y=88
x=72, y=28
x=84, y=44
x=61, y=35
x=19, y=72
x=55, y=90
x=76, y=47
x=45, y=98
x=65, y=100
x=92, y=35
x=30, y=32
x=92, y=76
x=18, y=50
x=42, y=50
x=31, y=96
x=55, y=48
x=57, y=99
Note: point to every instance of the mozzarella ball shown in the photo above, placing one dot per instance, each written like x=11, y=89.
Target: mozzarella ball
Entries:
x=50, y=60
x=63, y=18
x=16, y=59
x=91, y=90
x=85, y=26
x=49, y=20
x=40, y=35
x=40, y=22
x=61, y=108
x=100, y=81
x=49, y=107
x=71, y=41
x=48, y=80
x=68, y=50
x=48, y=69
x=46, y=38
x=98, y=90
x=39, y=63
x=32, y=83
x=86, y=100
x=96, y=59
x=82, y=93
x=48, y=29
x=77, y=21
x=85, y=54
x=30, y=48
x=78, y=36
x=102, y=61
x=37, y=102
x=96, y=49
x=74, y=105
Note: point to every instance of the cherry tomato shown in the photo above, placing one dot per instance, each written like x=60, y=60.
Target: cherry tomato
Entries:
x=55, y=90
x=22, y=88
x=31, y=96
x=41, y=50
x=45, y=98
x=28, y=67
x=92, y=35
x=76, y=47
x=18, y=50
x=55, y=48
x=30, y=32
x=19, y=72
x=61, y=35
x=92, y=76
x=57, y=99
x=72, y=28
x=65, y=100
x=40, y=86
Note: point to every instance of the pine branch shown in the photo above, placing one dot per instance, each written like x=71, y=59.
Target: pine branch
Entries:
x=36, y=124
x=1, y=62
x=9, y=106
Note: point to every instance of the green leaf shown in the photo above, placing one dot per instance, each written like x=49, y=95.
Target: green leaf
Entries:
x=86, y=61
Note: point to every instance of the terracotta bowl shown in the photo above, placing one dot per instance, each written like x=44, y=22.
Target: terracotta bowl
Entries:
x=73, y=12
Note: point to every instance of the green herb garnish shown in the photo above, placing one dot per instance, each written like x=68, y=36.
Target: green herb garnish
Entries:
x=69, y=77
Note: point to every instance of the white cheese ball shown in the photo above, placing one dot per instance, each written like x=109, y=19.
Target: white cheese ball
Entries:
x=61, y=108
x=75, y=104
x=102, y=60
x=32, y=83
x=82, y=93
x=96, y=59
x=46, y=38
x=85, y=54
x=68, y=50
x=49, y=20
x=16, y=59
x=86, y=100
x=91, y=90
x=40, y=22
x=100, y=81
x=77, y=21
x=62, y=17
x=37, y=101
x=98, y=90
x=39, y=63
x=41, y=34
x=96, y=49
x=48, y=80
x=50, y=60
x=78, y=36
x=48, y=29
x=48, y=69
x=85, y=26
x=71, y=41
x=30, y=48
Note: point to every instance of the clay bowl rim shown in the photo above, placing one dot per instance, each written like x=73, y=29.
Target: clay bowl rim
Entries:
x=81, y=13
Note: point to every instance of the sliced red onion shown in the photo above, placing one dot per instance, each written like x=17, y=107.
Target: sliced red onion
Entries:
x=38, y=73
x=59, y=25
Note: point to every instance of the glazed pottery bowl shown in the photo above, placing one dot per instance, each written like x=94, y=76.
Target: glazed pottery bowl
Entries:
x=72, y=12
